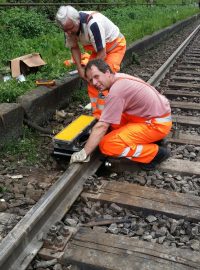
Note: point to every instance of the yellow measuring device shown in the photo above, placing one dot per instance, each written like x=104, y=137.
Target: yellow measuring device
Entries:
x=72, y=138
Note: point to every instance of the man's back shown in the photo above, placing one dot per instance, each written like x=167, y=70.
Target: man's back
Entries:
x=133, y=96
x=96, y=29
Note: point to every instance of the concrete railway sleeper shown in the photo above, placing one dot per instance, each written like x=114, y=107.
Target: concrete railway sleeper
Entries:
x=130, y=219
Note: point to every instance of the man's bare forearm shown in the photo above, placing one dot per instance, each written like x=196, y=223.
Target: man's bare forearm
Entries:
x=76, y=53
x=101, y=54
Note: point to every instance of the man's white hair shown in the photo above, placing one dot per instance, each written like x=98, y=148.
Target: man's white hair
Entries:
x=67, y=12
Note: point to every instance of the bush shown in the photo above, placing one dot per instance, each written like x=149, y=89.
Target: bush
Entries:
x=24, y=23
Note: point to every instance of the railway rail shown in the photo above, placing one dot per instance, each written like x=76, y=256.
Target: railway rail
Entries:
x=179, y=200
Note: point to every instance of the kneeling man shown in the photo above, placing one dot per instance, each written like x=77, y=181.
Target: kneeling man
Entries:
x=135, y=112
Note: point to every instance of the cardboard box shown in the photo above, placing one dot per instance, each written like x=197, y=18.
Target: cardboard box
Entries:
x=26, y=64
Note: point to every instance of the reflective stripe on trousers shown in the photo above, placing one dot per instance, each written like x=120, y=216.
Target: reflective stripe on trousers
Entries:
x=160, y=120
x=98, y=103
x=137, y=153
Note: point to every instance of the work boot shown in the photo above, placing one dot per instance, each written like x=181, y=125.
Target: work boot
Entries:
x=163, y=153
x=163, y=142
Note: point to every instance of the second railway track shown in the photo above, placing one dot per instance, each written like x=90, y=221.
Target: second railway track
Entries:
x=139, y=211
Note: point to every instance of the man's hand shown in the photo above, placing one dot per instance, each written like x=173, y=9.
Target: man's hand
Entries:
x=80, y=156
x=81, y=72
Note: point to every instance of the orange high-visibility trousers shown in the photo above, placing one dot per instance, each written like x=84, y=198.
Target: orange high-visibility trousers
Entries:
x=114, y=54
x=135, y=141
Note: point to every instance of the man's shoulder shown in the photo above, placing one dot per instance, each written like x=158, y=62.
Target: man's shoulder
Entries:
x=121, y=78
x=125, y=76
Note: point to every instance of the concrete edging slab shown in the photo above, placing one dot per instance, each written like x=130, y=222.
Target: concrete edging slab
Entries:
x=11, y=121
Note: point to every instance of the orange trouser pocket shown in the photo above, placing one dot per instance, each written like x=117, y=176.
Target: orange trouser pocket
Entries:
x=135, y=141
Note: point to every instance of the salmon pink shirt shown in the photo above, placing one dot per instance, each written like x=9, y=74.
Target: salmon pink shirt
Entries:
x=135, y=97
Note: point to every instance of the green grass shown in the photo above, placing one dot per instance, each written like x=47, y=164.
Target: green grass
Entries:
x=23, y=150
x=139, y=21
x=27, y=32
x=3, y=189
x=80, y=96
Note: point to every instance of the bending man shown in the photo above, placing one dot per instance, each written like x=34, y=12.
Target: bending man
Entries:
x=137, y=114
x=97, y=34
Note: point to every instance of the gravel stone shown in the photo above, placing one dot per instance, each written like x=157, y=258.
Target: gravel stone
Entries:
x=113, y=228
x=151, y=218
x=70, y=222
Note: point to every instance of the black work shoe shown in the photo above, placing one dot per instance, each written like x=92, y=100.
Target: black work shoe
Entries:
x=163, y=154
x=163, y=142
x=148, y=166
